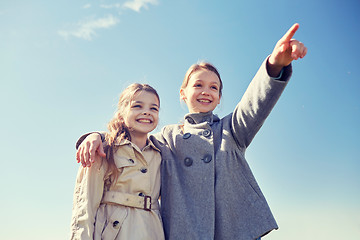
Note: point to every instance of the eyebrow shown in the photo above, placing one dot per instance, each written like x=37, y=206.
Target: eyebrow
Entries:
x=214, y=82
x=153, y=104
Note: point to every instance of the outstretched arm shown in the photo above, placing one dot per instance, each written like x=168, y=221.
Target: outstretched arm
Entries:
x=286, y=50
x=263, y=92
x=90, y=149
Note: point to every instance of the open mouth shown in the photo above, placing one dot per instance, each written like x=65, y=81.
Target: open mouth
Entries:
x=144, y=120
x=204, y=100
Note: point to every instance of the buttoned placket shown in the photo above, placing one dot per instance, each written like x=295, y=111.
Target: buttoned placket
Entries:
x=142, y=167
x=202, y=129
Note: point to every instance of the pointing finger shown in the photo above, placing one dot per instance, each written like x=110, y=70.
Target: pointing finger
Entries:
x=290, y=33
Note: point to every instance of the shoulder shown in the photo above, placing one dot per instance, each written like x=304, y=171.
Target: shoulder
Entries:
x=98, y=168
x=100, y=165
x=223, y=121
x=166, y=134
x=170, y=130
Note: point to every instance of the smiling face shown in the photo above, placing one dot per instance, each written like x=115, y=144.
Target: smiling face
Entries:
x=202, y=92
x=142, y=113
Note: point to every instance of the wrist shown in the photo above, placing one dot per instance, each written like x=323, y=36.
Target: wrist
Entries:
x=101, y=136
x=272, y=68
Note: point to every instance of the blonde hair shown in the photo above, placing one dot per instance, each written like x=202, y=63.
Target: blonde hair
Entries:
x=117, y=128
x=201, y=66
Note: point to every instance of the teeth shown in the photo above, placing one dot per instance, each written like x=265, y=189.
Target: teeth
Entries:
x=144, y=120
x=203, y=100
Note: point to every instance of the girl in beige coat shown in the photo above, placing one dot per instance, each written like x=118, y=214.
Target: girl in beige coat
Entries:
x=117, y=198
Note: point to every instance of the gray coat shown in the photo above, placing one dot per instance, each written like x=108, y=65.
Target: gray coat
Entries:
x=208, y=190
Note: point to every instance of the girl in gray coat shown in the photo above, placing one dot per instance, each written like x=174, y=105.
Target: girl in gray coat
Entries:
x=207, y=188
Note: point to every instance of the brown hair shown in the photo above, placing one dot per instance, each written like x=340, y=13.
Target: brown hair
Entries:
x=117, y=128
x=201, y=66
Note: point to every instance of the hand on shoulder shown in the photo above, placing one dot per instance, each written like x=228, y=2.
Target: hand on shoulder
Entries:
x=90, y=149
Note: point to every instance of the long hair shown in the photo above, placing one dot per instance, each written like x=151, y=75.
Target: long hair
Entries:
x=117, y=128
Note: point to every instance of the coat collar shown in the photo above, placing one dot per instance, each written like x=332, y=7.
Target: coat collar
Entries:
x=196, y=118
x=127, y=142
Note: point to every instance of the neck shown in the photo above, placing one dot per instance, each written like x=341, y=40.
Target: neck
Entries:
x=139, y=140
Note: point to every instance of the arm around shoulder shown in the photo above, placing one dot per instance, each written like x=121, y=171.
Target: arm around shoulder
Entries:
x=89, y=148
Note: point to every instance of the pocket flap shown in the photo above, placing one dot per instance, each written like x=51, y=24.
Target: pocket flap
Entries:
x=115, y=223
x=121, y=162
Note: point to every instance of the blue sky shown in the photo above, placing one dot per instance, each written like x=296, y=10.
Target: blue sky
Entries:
x=64, y=63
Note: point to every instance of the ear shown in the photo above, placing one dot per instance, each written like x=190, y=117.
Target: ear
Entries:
x=182, y=94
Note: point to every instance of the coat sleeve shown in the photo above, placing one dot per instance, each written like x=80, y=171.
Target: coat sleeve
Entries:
x=256, y=104
x=88, y=193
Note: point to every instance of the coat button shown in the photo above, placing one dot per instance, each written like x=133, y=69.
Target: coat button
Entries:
x=143, y=170
x=188, y=162
x=186, y=135
x=130, y=160
x=207, y=133
x=207, y=158
x=116, y=224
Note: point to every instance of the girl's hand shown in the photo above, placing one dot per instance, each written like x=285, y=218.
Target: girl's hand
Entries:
x=286, y=50
x=89, y=149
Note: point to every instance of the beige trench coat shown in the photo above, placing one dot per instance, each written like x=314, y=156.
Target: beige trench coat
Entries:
x=117, y=212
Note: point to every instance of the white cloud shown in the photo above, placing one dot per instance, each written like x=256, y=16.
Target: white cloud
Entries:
x=87, y=5
x=86, y=30
x=136, y=5
x=116, y=5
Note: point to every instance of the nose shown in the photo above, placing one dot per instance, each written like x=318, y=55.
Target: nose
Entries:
x=204, y=92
